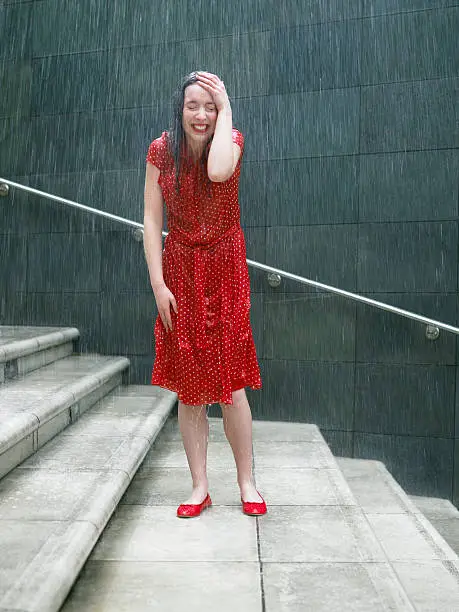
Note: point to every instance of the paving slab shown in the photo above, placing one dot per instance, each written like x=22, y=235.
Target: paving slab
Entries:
x=320, y=534
x=430, y=585
x=166, y=486
x=333, y=587
x=407, y=537
x=304, y=487
x=143, y=533
x=198, y=586
x=277, y=454
x=172, y=454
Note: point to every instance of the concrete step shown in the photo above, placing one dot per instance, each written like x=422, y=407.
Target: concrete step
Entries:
x=33, y=409
x=314, y=550
x=425, y=564
x=24, y=349
x=443, y=515
x=56, y=504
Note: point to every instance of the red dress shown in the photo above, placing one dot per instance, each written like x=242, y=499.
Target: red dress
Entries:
x=210, y=351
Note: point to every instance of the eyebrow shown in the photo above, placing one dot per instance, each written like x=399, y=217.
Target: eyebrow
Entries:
x=193, y=101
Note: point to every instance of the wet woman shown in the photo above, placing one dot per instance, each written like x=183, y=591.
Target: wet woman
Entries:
x=203, y=337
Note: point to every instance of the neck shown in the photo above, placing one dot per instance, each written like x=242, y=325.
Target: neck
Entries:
x=195, y=150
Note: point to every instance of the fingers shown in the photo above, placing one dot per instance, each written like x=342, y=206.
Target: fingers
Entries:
x=165, y=313
x=166, y=320
x=212, y=80
x=209, y=75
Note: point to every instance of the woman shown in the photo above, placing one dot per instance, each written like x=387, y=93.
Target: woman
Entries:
x=204, y=344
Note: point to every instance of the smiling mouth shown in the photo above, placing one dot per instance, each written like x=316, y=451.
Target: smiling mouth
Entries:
x=199, y=128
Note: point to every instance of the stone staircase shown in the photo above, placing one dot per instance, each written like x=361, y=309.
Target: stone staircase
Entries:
x=71, y=439
x=92, y=474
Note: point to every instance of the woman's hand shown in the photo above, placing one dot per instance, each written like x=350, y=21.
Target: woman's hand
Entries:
x=164, y=299
x=211, y=83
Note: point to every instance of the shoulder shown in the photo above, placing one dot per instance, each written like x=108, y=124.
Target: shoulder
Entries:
x=158, y=150
x=161, y=143
x=238, y=137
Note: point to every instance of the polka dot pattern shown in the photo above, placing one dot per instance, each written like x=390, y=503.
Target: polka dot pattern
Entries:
x=210, y=351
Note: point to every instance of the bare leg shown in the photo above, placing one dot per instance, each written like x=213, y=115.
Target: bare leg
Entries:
x=194, y=428
x=237, y=421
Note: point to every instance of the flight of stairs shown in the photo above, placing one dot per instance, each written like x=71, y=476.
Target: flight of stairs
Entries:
x=71, y=439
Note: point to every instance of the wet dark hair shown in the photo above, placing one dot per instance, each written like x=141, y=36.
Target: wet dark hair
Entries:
x=176, y=133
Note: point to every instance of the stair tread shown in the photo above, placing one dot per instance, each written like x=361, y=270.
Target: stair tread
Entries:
x=405, y=532
x=54, y=506
x=18, y=341
x=26, y=402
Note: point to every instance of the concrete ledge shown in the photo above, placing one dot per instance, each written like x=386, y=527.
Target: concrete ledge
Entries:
x=36, y=339
x=30, y=421
x=25, y=349
x=40, y=582
x=427, y=567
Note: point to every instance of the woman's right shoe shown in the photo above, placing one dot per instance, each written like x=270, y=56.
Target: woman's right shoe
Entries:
x=254, y=508
x=191, y=510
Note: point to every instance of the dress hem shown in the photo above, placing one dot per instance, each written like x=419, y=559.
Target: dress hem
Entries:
x=254, y=387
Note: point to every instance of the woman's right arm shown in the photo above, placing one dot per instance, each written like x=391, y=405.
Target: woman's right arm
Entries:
x=152, y=240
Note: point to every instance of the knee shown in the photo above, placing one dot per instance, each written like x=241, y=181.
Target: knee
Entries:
x=239, y=400
x=192, y=410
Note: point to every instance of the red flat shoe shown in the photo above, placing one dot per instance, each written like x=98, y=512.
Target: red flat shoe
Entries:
x=254, y=508
x=191, y=510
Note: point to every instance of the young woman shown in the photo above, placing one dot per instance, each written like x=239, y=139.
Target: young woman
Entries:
x=204, y=345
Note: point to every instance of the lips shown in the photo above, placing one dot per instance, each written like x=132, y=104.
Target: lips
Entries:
x=201, y=128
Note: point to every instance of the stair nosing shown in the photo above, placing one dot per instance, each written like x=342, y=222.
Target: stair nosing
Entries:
x=21, y=348
x=51, y=599
x=45, y=408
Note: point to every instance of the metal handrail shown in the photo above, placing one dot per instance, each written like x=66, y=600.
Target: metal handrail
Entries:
x=431, y=323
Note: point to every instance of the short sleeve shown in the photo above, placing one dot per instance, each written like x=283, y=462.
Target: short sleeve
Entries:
x=238, y=138
x=157, y=151
x=153, y=154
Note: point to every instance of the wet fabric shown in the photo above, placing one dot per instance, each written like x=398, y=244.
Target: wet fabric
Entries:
x=210, y=351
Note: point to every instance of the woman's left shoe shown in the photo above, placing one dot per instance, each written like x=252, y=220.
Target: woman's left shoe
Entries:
x=254, y=508
x=192, y=510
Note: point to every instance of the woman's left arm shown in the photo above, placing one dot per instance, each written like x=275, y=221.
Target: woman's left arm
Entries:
x=224, y=153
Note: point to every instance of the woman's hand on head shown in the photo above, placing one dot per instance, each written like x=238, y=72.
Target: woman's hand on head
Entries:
x=164, y=299
x=211, y=83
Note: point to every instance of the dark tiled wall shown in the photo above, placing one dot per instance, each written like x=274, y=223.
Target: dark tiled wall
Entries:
x=350, y=112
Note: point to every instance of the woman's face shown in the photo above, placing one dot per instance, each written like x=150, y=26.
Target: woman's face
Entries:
x=199, y=115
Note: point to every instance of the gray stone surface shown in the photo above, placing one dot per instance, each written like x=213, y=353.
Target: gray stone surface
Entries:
x=125, y=586
x=320, y=547
x=20, y=341
x=336, y=587
x=314, y=550
x=430, y=585
x=320, y=534
x=424, y=561
x=443, y=515
x=154, y=533
x=38, y=406
x=54, y=507
x=164, y=486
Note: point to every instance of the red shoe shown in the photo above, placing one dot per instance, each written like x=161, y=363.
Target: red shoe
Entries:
x=254, y=508
x=191, y=510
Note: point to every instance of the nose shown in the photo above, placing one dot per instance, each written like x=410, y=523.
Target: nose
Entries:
x=201, y=113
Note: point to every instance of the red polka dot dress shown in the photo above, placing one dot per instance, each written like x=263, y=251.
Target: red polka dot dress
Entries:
x=210, y=351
